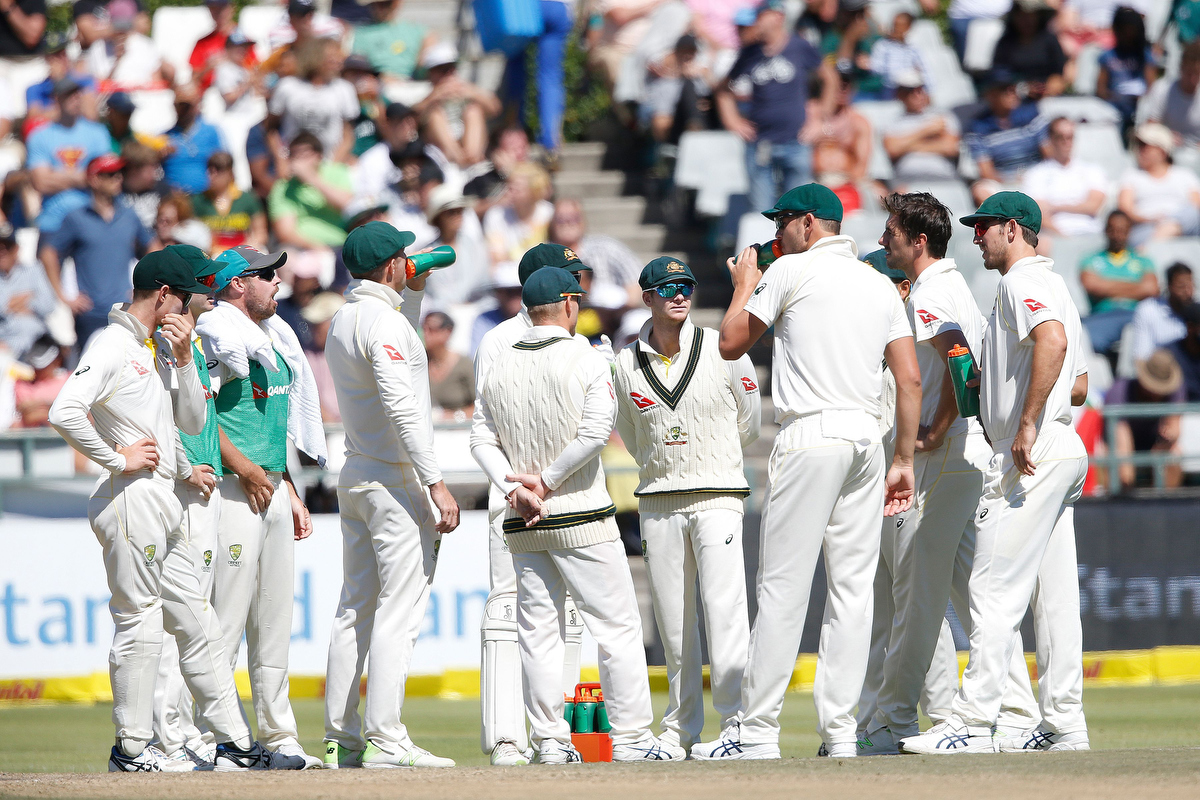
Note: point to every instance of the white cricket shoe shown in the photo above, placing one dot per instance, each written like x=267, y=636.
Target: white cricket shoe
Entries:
x=182, y=760
x=295, y=750
x=553, y=752
x=651, y=749
x=205, y=751
x=879, y=742
x=151, y=759
x=838, y=750
x=949, y=738
x=1040, y=740
x=506, y=754
x=375, y=757
x=730, y=749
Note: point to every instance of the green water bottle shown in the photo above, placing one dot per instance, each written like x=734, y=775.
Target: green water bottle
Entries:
x=602, y=724
x=768, y=252
x=585, y=716
x=569, y=711
x=962, y=369
x=437, y=258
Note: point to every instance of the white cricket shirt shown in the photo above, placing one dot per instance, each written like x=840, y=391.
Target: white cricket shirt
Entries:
x=1030, y=294
x=940, y=302
x=833, y=317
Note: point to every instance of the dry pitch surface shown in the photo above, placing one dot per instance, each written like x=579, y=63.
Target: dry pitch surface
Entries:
x=1147, y=740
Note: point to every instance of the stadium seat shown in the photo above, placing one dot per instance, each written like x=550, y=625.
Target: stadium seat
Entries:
x=982, y=35
x=1087, y=69
x=1100, y=143
x=1189, y=441
x=700, y=152
x=155, y=112
x=926, y=36
x=1166, y=252
x=1125, y=364
x=1080, y=109
x=881, y=114
x=175, y=31
x=884, y=11
x=953, y=194
x=753, y=228
x=951, y=86
x=257, y=21
x=865, y=227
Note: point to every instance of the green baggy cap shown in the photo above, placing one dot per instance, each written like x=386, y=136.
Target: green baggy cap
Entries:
x=811, y=198
x=665, y=269
x=1016, y=206
x=549, y=285
x=167, y=268
x=549, y=254
x=369, y=246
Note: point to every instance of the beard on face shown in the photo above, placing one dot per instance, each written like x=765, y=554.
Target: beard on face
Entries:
x=995, y=256
x=261, y=306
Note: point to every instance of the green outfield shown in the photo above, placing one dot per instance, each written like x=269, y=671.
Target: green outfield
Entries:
x=67, y=738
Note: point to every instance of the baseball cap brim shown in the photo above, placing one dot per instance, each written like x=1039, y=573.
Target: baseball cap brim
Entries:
x=970, y=219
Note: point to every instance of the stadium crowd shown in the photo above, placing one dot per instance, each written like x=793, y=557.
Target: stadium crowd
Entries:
x=294, y=133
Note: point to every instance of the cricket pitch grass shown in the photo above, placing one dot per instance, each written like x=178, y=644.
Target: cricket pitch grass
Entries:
x=1146, y=744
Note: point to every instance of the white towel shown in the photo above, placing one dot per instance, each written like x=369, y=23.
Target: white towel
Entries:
x=235, y=338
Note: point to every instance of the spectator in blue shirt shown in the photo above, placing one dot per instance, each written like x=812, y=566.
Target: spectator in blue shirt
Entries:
x=39, y=98
x=1006, y=140
x=190, y=143
x=105, y=238
x=772, y=75
x=26, y=298
x=1128, y=69
x=59, y=152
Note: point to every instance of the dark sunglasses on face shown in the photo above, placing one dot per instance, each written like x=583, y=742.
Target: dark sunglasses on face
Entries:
x=669, y=290
x=782, y=220
x=265, y=274
x=982, y=227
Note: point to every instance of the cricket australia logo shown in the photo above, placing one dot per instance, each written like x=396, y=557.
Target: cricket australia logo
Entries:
x=437, y=545
x=235, y=552
x=149, y=550
x=207, y=560
x=675, y=435
x=644, y=556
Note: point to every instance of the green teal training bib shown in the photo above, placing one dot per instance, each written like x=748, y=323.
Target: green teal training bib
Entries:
x=205, y=447
x=253, y=413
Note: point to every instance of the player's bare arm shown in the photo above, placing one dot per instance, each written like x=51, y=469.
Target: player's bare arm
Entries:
x=1079, y=390
x=1049, y=350
x=740, y=329
x=251, y=476
x=901, y=357
x=931, y=437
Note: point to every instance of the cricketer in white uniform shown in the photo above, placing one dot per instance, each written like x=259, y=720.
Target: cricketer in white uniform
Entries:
x=1031, y=372
x=836, y=321
x=175, y=730
x=390, y=538
x=503, y=733
x=137, y=517
x=266, y=394
x=685, y=414
x=547, y=411
x=934, y=541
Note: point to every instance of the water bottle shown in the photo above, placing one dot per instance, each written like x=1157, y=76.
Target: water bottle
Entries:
x=768, y=252
x=437, y=258
x=962, y=369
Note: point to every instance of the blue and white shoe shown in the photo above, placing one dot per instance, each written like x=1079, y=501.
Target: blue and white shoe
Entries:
x=553, y=752
x=1040, y=740
x=151, y=759
x=230, y=758
x=729, y=749
x=950, y=738
x=838, y=750
x=652, y=749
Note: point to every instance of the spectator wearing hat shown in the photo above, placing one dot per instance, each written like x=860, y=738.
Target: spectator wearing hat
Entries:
x=1006, y=140
x=34, y=397
x=58, y=154
x=26, y=298
x=306, y=209
x=923, y=143
x=22, y=29
x=395, y=46
x=611, y=260
x=1174, y=102
x=357, y=70
x=376, y=170
x=1029, y=50
x=234, y=75
x=1187, y=353
x=522, y=219
x=1159, y=380
x=892, y=56
x=451, y=374
x=39, y=98
x=1069, y=190
x=190, y=143
x=126, y=59
x=771, y=76
x=118, y=111
x=211, y=50
x=506, y=289
x=143, y=189
x=455, y=113
x=318, y=314
x=317, y=100
x=1115, y=280
x=234, y=217
x=104, y=238
x=1162, y=199
x=457, y=226
x=1158, y=321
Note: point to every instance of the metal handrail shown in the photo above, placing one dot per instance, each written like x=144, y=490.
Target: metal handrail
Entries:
x=1159, y=461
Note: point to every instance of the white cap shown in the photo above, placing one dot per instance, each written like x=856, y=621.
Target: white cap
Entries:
x=444, y=197
x=506, y=275
x=607, y=296
x=439, y=54
x=1156, y=134
x=910, y=79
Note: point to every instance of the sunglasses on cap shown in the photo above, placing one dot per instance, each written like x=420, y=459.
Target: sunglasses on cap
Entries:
x=668, y=290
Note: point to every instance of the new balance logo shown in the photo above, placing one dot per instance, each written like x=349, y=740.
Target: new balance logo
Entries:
x=641, y=401
x=392, y=353
x=749, y=385
x=1033, y=305
x=925, y=316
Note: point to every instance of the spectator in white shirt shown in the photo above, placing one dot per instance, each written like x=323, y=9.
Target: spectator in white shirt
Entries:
x=318, y=100
x=1174, y=101
x=1069, y=191
x=1162, y=199
x=892, y=56
x=923, y=143
x=128, y=60
x=1158, y=321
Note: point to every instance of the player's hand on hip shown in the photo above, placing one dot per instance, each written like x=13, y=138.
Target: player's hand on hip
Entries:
x=142, y=454
x=177, y=329
x=533, y=483
x=446, y=505
x=203, y=478
x=900, y=490
x=743, y=269
x=258, y=488
x=1022, y=449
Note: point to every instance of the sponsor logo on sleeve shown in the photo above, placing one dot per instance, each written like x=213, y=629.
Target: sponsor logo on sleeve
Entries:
x=749, y=385
x=1034, y=306
x=925, y=316
x=392, y=353
x=759, y=288
x=82, y=370
x=641, y=401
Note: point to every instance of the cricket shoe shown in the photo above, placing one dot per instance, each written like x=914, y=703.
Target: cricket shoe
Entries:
x=1040, y=740
x=375, y=757
x=338, y=757
x=296, y=751
x=205, y=751
x=507, y=754
x=949, y=738
x=838, y=750
x=553, y=752
x=652, y=749
x=183, y=760
x=728, y=749
x=879, y=742
x=149, y=760
x=231, y=758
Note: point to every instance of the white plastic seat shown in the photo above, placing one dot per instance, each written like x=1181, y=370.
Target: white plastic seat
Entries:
x=1080, y=109
x=257, y=21
x=155, y=112
x=950, y=85
x=982, y=36
x=1166, y=252
x=953, y=194
x=753, y=228
x=1100, y=143
x=175, y=31
x=713, y=163
x=1087, y=69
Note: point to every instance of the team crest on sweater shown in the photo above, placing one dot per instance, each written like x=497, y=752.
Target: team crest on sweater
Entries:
x=675, y=435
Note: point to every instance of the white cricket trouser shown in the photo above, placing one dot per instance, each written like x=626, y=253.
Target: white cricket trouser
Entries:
x=154, y=586
x=940, y=683
x=389, y=551
x=824, y=493
x=174, y=724
x=934, y=548
x=678, y=548
x=253, y=594
x=598, y=578
x=1025, y=556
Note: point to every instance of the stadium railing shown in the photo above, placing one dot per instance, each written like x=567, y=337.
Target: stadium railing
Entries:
x=1159, y=461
